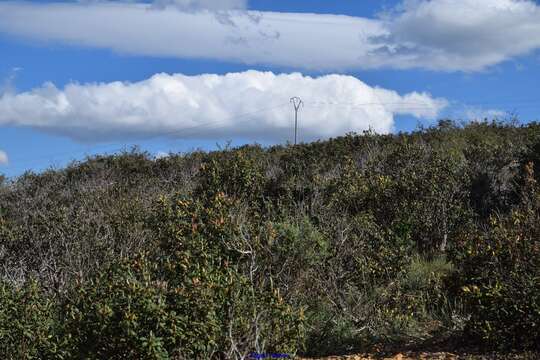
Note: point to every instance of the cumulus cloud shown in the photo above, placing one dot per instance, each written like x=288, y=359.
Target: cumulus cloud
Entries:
x=254, y=105
x=449, y=35
x=4, y=160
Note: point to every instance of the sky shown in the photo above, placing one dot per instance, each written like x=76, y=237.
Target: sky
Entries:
x=86, y=77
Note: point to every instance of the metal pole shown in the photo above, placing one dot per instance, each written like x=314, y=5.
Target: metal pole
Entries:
x=295, y=125
x=297, y=103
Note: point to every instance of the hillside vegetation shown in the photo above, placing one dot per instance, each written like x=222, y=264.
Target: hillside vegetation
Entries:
x=323, y=248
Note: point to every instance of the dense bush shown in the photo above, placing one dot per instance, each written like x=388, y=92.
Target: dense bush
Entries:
x=27, y=322
x=185, y=300
x=501, y=275
x=317, y=248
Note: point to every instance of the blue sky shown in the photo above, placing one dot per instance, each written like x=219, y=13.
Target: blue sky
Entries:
x=88, y=77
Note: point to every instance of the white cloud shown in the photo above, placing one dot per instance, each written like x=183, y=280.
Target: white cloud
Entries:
x=4, y=160
x=161, y=155
x=192, y=5
x=298, y=40
x=462, y=35
x=465, y=35
x=479, y=114
x=254, y=105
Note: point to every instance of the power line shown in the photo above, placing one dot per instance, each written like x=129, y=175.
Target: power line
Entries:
x=523, y=103
x=482, y=102
x=183, y=131
x=297, y=104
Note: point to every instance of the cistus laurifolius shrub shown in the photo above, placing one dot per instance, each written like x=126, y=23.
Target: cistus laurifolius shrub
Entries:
x=186, y=300
x=237, y=174
x=501, y=276
x=27, y=322
x=411, y=188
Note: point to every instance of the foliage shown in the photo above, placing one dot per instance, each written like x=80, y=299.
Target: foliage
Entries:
x=27, y=320
x=501, y=275
x=318, y=248
x=186, y=300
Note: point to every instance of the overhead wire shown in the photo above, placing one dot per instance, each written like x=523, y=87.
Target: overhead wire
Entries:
x=198, y=129
x=183, y=131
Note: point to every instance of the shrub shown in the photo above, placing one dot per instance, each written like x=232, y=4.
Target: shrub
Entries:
x=187, y=299
x=359, y=232
x=237, y=174
x=199, y=254
x=500, y=276
x=27, y=320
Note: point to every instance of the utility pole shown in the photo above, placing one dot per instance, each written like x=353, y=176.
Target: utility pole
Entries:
x=297, y=103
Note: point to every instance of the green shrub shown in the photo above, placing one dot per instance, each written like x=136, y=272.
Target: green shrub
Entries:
x=123, y=314
x=237, y=174
x=377, y=238
x=188, y=299
x=27, y=320
x=500, y=276
x=199, y=250
x=295, y=249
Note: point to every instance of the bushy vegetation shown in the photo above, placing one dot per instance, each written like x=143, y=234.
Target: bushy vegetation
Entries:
x=501, y=274
x=319, y=248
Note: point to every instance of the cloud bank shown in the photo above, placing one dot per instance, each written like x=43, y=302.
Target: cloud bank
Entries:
x=193, y=5
x=254, y=105
x=462, y=34
x=4, y=160
x=447, y=35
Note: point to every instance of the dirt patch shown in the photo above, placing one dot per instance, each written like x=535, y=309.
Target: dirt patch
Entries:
x=431, y=356
x=399, y=356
